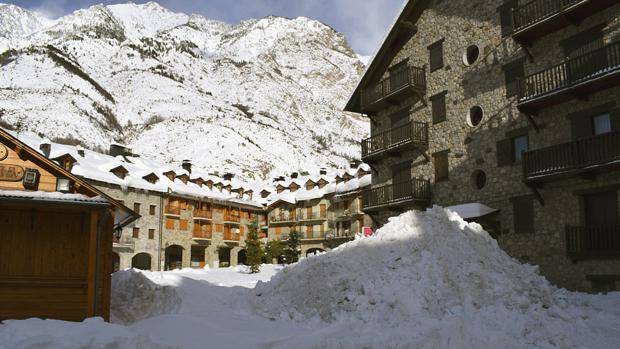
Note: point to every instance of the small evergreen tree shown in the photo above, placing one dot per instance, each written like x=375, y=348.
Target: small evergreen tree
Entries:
x=273, y=249
x=291, y=249
x=253, y=250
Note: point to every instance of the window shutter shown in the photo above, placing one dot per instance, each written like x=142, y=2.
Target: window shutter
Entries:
x=136, y=233
x=505, y=17
x=581, y=126
x=436, y=55
x=523, y=214
x=151, y=234
x=512, y=73
x=438, y=102
x=441, y=164
x=504, y=152
x=615, y=120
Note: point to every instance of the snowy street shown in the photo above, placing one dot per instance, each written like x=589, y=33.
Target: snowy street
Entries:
x=426, y=280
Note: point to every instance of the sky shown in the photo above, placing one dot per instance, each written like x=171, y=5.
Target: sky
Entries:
x=363, y=22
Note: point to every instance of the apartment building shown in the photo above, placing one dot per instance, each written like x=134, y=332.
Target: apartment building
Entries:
x=512, y=106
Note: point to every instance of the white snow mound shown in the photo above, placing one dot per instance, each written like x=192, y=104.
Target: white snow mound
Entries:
x=135, y=297
x=445, y=280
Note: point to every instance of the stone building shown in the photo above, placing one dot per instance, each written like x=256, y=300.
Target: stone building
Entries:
x=508, y=104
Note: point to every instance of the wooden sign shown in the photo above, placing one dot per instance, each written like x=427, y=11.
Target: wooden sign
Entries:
x=4, y=152
x=11, y=173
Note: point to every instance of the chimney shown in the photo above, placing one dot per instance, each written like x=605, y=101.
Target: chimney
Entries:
x=46, y=148
x=80, y=151
x=294, y=175
x=187, y=165
x=228, y=176
x=323, y=172
x=117, y=149
x=355, y=163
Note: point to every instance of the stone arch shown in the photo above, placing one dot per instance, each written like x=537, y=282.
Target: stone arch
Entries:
x=141, y=261
x=312, y=251
x=241, y=257
x=174, y=257
x=116, y=262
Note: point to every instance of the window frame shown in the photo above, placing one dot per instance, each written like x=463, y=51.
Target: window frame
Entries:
x=441, y=96
x=441, y=155
x=436, y=55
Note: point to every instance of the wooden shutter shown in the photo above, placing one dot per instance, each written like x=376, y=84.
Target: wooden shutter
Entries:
x=309, y=231
x=136, y=233
x=241, y=230
x=581, y=126
x=323, y=208
x=438, y=102
x=322, y=230
x=523, y=214
x=183, y=224
x=278, y=230
x=136, y=207
x=441, y=164
x=308, y=212
x=151, y=234
x=152, y=210
x=505, y=16
x=513, y=71
x=436, y=55
x=169, y=223
x=504, y=153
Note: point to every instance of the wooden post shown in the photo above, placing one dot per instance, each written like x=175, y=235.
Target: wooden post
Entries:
x=92, y=263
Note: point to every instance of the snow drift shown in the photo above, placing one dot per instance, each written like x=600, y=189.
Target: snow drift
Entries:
x=135, y=297
x=442, y=279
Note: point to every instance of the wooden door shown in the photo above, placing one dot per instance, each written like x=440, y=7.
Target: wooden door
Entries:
x=401, y=180
x=323, y=208
x=308, y=212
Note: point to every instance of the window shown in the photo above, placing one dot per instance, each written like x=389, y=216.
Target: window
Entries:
x=152, y=210
x=278, y=230
x=523, y=214
x=436, y=55
x=475, y=116
x=513, y=71
x=505, y=16
x=438, y=103
x=309, y=231
x=322, y=229
x=441, y=164
x=151, y=234
x=169, y=223
x=510, y=151
x=323, y=210
x=471, y=54
x=136, y=233
x=479, y=179
x=136, y=207
x=601, y=124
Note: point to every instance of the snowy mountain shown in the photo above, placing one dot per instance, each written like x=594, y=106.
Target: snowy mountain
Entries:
x=256, y=98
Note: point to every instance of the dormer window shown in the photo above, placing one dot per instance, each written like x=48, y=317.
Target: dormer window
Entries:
x=250, y=193
x=280, y=188
x=198, y=181
x=151, y=178
x=347, y=177
x=219, y=186
x=310, y=185
x=120, y=172
x=170, y=174
x=228, y=188
x=66, y=161
x=322, y=183
x=294, y=187
x=210, y=184
x=338, y=179
x=184, y=178
x=264, y=194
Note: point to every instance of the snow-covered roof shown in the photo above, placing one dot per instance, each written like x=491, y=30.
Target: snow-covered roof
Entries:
x=51, y=196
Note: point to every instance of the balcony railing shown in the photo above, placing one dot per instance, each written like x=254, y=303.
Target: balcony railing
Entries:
x=230, y=236
x=413, y=133
x=304, y=216
x=584, y=155
x=283, y=217
x=203, y=214
x=537, y=18
x=228, y=218
x=593, y=242
x=172, y=210
x=414, y=191
x=394, y=87
x=201, y=234
x=544, y=88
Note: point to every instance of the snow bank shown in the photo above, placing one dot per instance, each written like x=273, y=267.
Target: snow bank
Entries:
x=135, y=297
x=443, y=282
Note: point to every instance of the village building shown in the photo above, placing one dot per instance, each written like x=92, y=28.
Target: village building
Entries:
x=509, y=109
x=56, y=233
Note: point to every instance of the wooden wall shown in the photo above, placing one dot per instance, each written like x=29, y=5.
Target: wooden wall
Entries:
x=46, y=183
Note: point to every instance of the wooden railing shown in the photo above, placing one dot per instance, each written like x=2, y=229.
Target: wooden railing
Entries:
x=414, y=190
x=412, y=132
x=593, y=241
x=201, y=234
x=576, y=155
x=230, y=236
x=175, y=210
x=304, y=216
x=283, y=217
x=535, y=11
x=589, y=65
x=232, y=218
x=409, y=77
x=207, y=214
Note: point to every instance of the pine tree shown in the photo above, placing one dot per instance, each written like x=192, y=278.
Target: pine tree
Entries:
x=291, y=249
x=273, y=250
x=253, y=250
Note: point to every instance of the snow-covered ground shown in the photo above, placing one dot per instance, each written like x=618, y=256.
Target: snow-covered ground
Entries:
x=426, y=280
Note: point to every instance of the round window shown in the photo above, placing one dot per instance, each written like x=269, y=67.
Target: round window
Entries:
x=478, y=179
x=471, y=55
x=475, y=116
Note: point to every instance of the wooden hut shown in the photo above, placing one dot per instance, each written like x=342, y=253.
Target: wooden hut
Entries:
x=56, y=234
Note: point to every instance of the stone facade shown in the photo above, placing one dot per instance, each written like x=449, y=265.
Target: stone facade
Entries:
x=461, y=24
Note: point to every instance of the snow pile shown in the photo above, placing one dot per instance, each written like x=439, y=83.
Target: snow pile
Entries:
x=135, y=297
x=436, y=278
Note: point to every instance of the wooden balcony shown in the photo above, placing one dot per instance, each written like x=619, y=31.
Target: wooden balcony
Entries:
x=203, y=215
x=414, y=192
x=413, y=134
x=231, y=219
x=593, y=242
x=574, y=78
x=315, y=216
x=283, y=218
x=172, y=211
x=585, y=156
x=200, y=234
x=401, y=85
x=230, y=236
x=537, y=18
